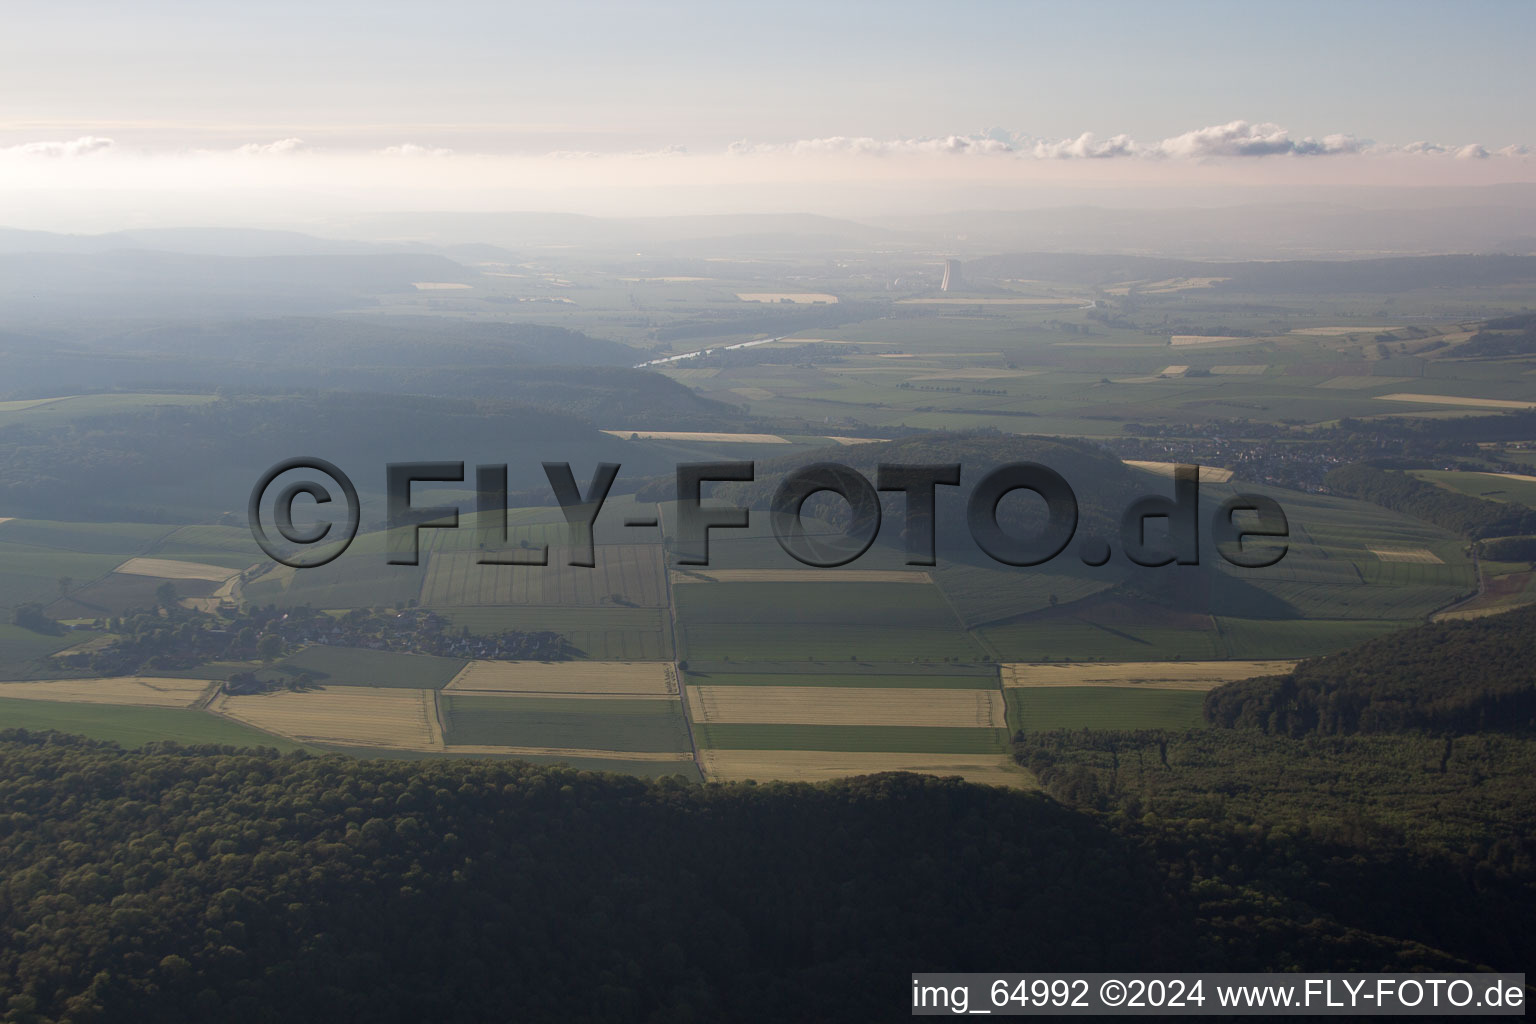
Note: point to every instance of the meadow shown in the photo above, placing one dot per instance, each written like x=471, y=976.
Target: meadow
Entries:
x=136, y=726
x=914, y=739
x=352, y=666
x=1040, y=709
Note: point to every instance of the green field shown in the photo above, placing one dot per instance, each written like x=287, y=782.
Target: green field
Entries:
x=649, y=726
x=23, y=652
x=626, y=575
x=1040, y=708
x=831, y=622
x=134, y=726
x=229, y=546
x=125, y=539
x=359, y=666
x=1489, y=486
x=905, y=739
x=1266, y=638
x=1064, y=639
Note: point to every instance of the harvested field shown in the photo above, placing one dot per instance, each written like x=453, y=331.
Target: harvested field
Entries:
x=1208, y=474
x=1020, y=301
x=822, y=765
x=836, y=705
x=798, y=576
x=1171, y=371
x=356, y=716
x=806, y=298
x=1336, y=332
x=701, y=436
x=6, y=519
x=143, y=691
x=1149, y=675
x=170, y=569
x=568, y=678
x=857, y=440
x=1414, y=556
x=1186, y=340
x=1484, y=403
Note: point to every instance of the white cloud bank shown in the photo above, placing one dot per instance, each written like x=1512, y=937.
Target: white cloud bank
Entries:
x=1235, y=140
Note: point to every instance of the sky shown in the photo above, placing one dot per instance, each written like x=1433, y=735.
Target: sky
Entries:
x=612, y=108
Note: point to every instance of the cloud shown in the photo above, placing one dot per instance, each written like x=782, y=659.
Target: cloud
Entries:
x=282, y=147
x=1235, y=139
x=86, y=145
x=410, y=149
x=863, y=145
x=1243, y=139
x=1086, y=147
x=1472, y=152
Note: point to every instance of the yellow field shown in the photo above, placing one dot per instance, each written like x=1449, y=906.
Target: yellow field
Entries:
x=170, y=569
x=437, y=286
x=695, y=435
x=568, y=678
x=799, y=576
x=1208, y=474
x=1021, y=301
x=1335, y=332
x=805, y=298
x=1359, y=383
x=349, y=715
x=1507, y=476
x=1415, y=556
x=822, y=765
x=1185, y=340
x=1148, y=675
x=1487, y=403
x=936, y=355
x=846, y=705
x=144, y=691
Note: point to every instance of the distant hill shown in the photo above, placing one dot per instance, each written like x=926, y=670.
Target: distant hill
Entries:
x=188, y=463
x=1311, y=277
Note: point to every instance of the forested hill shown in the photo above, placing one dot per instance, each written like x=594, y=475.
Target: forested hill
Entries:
x=1445, y=678
x=180, y=885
